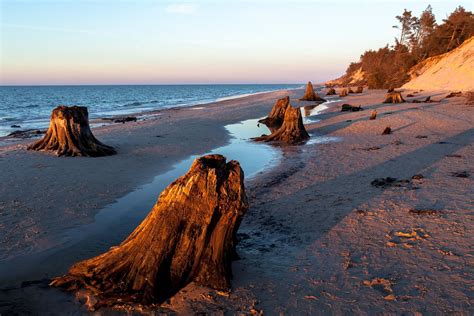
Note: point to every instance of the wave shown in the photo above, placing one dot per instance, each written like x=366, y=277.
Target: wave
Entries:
x=238, y=96
x=8, y=119
x=32, y=111
x=138, y=103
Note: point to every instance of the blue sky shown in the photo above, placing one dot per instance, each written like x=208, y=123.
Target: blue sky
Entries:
x=145, y=41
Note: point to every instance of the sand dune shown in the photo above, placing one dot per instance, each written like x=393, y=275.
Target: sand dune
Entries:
x=451, y=71
x=354, y=78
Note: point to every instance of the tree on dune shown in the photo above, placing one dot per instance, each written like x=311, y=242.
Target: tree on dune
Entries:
x=419, y=38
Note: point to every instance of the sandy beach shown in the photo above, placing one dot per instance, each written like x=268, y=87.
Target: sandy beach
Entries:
x=319, y=236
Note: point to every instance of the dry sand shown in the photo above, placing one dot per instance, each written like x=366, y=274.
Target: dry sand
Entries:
x=318, y=237
x=450, y=71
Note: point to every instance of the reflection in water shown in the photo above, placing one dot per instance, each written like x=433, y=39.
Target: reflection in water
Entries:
x=310, y=111
x=117, y=220
x=132, y=208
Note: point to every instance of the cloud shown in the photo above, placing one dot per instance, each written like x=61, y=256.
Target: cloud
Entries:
x=181, y=8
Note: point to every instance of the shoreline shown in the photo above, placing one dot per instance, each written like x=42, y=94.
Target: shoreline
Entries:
x=123, y=215
x=214, y=129
x=101, y=117
x=318, y=233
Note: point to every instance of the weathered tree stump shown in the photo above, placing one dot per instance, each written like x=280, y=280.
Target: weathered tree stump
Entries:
x=373, y=115
x=350, y=90
x=394, y=97
x=69, y=134
x=292, y=130
x=470, y=98
x=360, y=89
x=350, y=108
x=343, y=93
x=387, y=131
x=189, y=236
x=390, y=90
x=275, y=118
x=331, y=91
x=310, y=95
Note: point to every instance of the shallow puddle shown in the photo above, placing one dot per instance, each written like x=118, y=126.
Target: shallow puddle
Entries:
x=117, y=220
x=134, y=206
x=310, y=112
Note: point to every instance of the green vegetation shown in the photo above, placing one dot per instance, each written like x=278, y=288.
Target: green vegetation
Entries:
x=420, y=38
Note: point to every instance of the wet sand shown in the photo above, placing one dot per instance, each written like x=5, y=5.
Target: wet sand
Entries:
x=318, y=236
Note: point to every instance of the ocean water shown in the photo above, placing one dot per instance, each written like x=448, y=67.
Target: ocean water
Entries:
x=30, y=106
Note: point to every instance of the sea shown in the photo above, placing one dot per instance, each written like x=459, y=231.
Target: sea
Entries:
x=29, y=107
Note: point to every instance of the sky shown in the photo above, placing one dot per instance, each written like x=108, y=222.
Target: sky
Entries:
x=45, y=42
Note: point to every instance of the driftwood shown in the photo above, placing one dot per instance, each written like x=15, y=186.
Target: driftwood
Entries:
x=427, y=100
x=275, y=118
x=331, y=91
x=347, y=108
x=394, y=97
x=350, y=90
x=454, y=94
x=373, y=115
x=28, y=133
x=310, y=95
x=387, y=131
x=123, y=120
x=292, y=130
x=343, y=93
x=189, y=236
x=69, y=134
x=360, y=89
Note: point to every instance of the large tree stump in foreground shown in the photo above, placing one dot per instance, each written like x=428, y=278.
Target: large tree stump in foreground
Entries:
x=275, y=118
x=394, y=97
x=69, y=134
x=310, y=95
x=292, y=130
x=189, y=235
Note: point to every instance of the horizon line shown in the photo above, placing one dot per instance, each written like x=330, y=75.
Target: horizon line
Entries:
x=145, y=84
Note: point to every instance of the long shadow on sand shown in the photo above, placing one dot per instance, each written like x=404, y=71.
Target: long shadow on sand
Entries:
x=327, y=129
x=311, y=212
x=316, y=208
x=280, y=231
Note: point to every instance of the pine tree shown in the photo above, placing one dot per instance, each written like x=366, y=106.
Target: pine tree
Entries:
x=407, y=21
